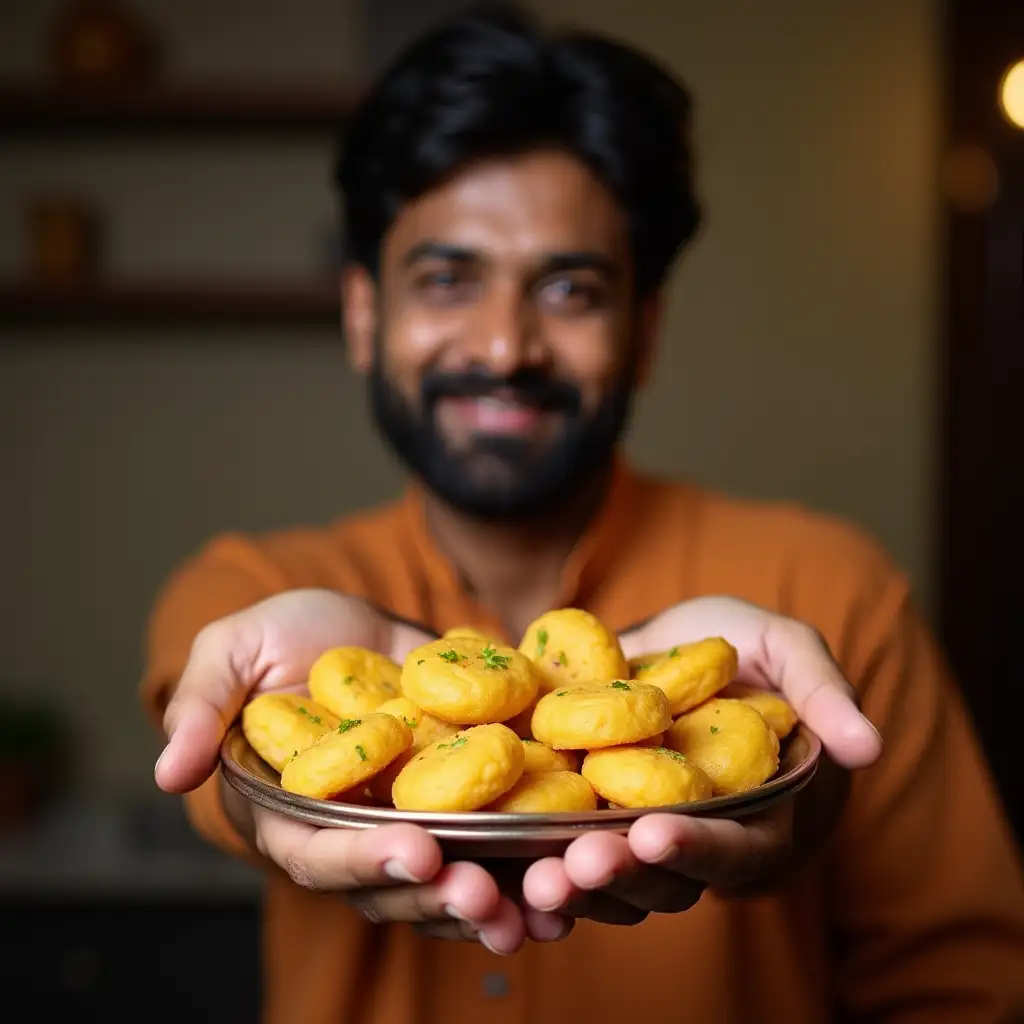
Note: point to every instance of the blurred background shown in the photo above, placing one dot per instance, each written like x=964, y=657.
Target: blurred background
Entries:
x=847, y=333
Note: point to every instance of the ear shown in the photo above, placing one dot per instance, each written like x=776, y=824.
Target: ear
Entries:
x=647, y=327
x=359, y=315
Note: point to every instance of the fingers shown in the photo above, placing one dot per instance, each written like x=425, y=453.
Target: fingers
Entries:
x=460, y=892
x=543, y=927
x=600, y=878
x=798, y=663
x=208, y=697
x=196, y=728
x=338, y=860
x=548, y=887
x=395, y=874
x=503, y=932
x=722, y=854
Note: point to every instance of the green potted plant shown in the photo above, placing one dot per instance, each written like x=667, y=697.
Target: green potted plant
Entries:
x=33, y=755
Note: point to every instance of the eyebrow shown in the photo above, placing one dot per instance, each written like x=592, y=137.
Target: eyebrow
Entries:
x=550, y=262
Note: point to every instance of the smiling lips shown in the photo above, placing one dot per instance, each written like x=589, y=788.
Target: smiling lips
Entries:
x=497, y=414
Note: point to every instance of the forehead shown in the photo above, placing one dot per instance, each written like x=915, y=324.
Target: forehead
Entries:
x=515, y=208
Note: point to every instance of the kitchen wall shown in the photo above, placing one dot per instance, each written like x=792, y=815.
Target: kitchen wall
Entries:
x=798, y=358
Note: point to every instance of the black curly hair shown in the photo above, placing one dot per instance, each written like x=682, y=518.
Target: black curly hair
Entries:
x=490, y=82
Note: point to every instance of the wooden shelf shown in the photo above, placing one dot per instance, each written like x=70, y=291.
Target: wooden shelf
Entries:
x=38, y=110
x=171, y=304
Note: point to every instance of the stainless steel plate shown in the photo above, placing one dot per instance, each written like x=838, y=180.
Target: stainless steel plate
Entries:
x=483, y=834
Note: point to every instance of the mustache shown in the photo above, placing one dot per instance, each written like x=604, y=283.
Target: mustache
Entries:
x=530, y=387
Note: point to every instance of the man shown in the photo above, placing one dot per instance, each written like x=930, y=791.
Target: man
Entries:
x=513, y=204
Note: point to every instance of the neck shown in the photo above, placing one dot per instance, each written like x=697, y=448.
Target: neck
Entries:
x=515, y=570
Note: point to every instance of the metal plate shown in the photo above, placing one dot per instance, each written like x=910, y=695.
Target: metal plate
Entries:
x=488, y=834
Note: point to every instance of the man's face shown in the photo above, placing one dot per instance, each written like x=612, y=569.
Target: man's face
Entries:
x=504, y=341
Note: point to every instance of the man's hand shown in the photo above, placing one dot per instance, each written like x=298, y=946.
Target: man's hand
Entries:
x=392, y=873
x=666, y=861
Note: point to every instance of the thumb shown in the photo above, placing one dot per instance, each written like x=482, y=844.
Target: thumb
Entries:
x=208, y=697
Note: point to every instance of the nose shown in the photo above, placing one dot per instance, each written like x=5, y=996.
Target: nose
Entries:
x=506, y=336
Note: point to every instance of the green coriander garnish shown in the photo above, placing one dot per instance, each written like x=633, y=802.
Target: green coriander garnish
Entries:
x=449, y=655
x=561, y=693
x=421, y=661
x=302, y=711
x=674, y=754
x=562, y=659
x=315, y=719
x=620, y=685
x=674, y=653
x=295, y=753
x=460, y=742
x=360, y=752
x=348, y=723
x=644, y=667
x=714, y=729
x=492, y=659
x=348, y=679
x=409, y=722
x=542, y=641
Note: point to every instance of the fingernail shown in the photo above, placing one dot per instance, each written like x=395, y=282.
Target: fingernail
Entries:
x=548, y=929
x=486, y=944
x=160, y=760
x=669, y=853
x=452, y=912
x=397, y=871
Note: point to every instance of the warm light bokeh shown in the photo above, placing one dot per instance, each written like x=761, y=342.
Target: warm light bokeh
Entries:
x=1011, y=94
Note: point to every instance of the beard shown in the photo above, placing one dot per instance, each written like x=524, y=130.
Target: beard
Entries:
x=494, y=478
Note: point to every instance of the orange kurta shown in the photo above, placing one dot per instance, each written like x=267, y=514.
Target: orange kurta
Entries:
x=914, y=913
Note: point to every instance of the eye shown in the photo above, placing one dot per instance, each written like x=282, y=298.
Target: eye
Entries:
x=567, y=295
x=445, y=284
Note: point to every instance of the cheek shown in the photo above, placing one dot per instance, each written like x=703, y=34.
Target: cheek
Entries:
x=593, y=358
x=413, y=342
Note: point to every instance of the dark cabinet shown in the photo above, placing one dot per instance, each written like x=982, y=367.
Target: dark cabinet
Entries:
x=175, y=962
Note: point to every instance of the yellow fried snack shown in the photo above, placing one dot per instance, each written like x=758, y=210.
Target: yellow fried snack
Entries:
x=279, y=725
x=426, y=729
x=464, y=773
x=730, y=741
x=347, y=756
x=645, y=777
x=591, y=717
x=469, y=633
x=522, y=724
x=353, y=681
x=541, y=758
x=469, y=683
x=654, y=741
x=573, y=648
x=549, y=792
x=689, y=673
x=774, y=708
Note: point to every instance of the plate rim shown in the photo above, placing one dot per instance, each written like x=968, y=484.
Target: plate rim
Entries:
x=483, y=824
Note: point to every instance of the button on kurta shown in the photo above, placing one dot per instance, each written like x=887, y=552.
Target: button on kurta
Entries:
x=495, y=985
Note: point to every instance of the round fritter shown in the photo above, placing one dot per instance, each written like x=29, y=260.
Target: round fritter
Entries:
x=689, y=673
x=730, y=742
x=353, y=681
x=774, y=708
x=346, y=757
x=279, y=725
x=467, y=682
x=645, y=777
x=465, y=772
x=573, y=648
x=592, y=717
x=549, y=792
